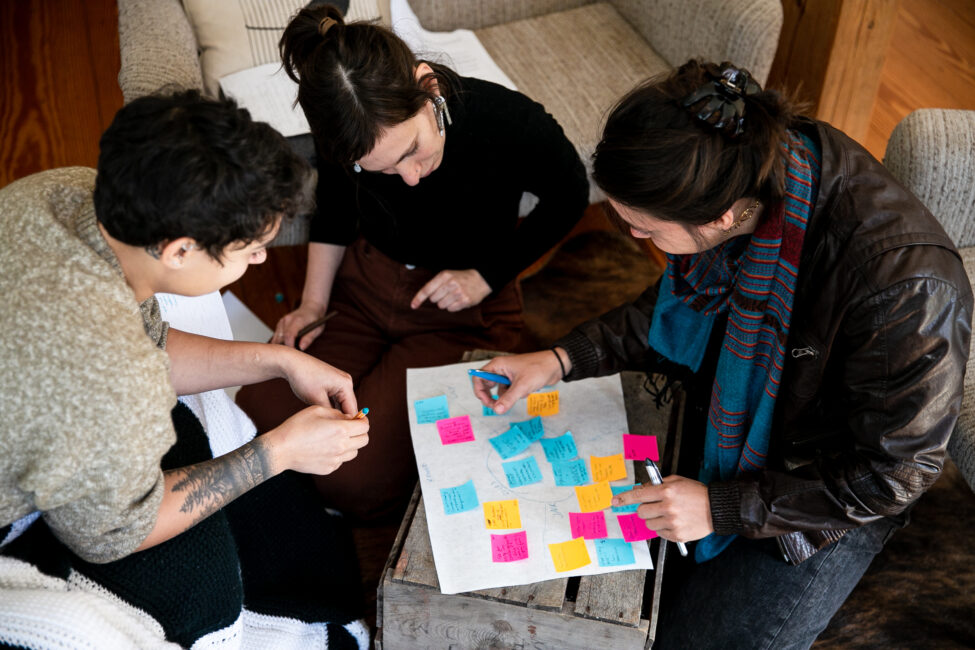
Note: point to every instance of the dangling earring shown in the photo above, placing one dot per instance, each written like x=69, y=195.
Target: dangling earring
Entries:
x=441, y=111
x=356, y=168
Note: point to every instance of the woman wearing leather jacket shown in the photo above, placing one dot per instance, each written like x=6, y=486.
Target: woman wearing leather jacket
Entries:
x=818, y=318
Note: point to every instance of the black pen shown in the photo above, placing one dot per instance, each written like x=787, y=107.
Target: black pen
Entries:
x=657, y=478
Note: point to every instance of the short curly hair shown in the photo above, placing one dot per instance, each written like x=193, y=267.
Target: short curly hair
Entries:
x=180, y=165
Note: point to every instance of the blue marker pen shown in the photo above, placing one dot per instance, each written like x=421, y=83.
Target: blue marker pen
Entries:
x=490, y=376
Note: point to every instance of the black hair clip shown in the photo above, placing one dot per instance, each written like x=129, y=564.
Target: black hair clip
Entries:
x=725, y=95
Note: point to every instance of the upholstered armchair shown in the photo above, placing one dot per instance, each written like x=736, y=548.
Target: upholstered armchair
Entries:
x=932, y=152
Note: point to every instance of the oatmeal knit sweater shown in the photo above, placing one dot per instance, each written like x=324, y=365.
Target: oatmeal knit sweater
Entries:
x=84, y=378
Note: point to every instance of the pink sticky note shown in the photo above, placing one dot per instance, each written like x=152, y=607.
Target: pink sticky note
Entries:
x=590, y=525
x=454, y=430
x=634, y=528
x=510, y=547
x=640, y=447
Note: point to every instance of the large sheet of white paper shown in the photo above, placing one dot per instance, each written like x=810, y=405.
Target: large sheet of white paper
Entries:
x=591, y=409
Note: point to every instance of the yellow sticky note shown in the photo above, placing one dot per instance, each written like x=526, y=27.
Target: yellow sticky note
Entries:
x=607, y=468
x=543, y=403
x=569, y=555
x=502, y=514
x=594, y=497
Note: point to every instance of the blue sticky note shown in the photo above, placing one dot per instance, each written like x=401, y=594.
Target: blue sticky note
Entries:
x=487, y=411
x=570, y=472
x=432, y=409
x=623, y=488
x=510, y=443
x=459, y=499
x=532, y=428
x=522, y=472
x=561, y=448
x=613, y=552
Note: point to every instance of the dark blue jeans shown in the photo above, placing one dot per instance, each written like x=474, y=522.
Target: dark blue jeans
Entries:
x=749, y=597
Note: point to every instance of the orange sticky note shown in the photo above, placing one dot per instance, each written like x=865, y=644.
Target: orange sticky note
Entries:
x=569, y=555
x=543, y=403
x=607, y=468
x=594, y=497
x=502, y=514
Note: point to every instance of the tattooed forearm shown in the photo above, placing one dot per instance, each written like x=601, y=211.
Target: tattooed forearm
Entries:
x=211, y=485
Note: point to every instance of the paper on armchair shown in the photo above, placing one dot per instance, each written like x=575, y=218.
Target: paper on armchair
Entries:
x=269, y=94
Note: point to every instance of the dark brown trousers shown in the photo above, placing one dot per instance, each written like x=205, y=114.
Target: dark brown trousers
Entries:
x=375, y=337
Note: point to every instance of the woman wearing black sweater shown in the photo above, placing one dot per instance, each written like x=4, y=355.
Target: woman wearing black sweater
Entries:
x=417, y=240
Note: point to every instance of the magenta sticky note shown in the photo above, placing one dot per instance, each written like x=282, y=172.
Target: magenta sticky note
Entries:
x=634, y=528
x=454, y=430
x=640, y=447
x=510, y=547
x=589, y=525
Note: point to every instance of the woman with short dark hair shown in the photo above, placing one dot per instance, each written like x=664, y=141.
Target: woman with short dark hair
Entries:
x=818, y=318
x=417, y=241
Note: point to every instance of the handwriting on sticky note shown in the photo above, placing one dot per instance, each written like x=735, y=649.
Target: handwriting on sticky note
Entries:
x=607, y=468
x=510, y=443
x=569, y=555
x=532, y=428
x=570, y=472
x=522, y=472
x=640, y=447
x=509, y=548
x=614, y=552
x=543, y=403
x=588, y=525
x=459, y=499
x=594, y=497
x=561, y=448
x=454, y=430
x=431, y=409
x=634, y=528
x=617, y=489
x=502, y=514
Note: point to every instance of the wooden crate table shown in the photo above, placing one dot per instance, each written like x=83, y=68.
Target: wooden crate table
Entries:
x=597, y=611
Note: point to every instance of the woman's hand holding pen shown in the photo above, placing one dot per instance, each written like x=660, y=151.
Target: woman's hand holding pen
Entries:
x=679, y=509
x=288, y=327
x=317, y=440
x=316, y=382
x=527, y=372
x=453, y=290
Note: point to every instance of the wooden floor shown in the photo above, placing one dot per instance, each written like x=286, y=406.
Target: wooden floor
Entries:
x=59, y=61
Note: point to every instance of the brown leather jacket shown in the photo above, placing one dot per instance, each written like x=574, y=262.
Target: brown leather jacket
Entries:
x=876, y=355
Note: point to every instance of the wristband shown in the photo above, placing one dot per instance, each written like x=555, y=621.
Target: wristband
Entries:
x=559, y=359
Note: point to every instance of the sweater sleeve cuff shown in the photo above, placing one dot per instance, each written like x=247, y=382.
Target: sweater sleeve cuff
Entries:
x=582, y=355
x=725, y=498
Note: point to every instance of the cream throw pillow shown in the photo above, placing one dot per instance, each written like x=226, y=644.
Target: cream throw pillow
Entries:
x=234, y=35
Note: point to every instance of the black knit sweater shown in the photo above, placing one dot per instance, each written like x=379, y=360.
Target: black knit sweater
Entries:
x=465, y=214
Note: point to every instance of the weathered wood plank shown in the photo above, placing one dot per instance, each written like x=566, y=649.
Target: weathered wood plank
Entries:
x=613, y=597
x=416, y=617
x=415, y=563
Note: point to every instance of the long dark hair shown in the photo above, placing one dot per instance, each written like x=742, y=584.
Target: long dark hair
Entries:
x=354, y=80
x=660, y=157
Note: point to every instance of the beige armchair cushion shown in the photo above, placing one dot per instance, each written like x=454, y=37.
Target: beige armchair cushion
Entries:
x=562, y=66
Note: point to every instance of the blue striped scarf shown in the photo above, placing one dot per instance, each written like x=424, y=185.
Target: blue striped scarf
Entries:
x=753, y=279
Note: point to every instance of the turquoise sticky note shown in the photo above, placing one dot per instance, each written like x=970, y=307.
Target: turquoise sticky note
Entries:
x=532, y=428
x=522, y=472
x=431, y=410
x=570, y=472
x=486, y=411
x=561, y=448
x=459, y=499
x=510, y=443
x=623, y=488
x=613, y=552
